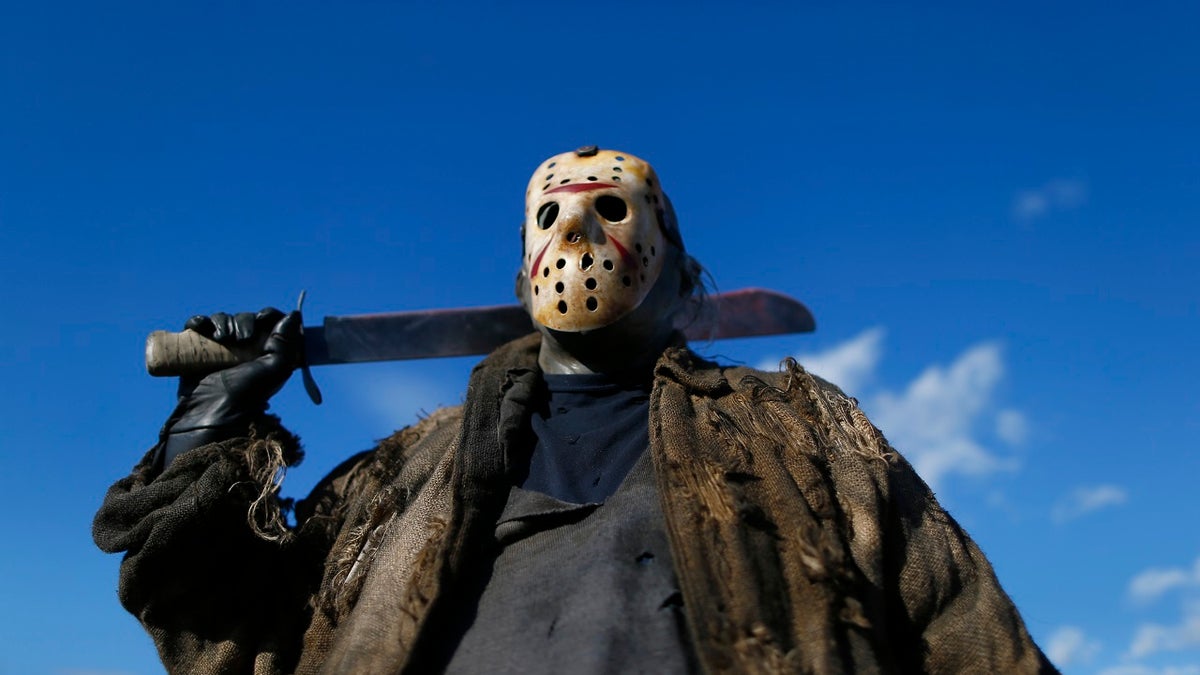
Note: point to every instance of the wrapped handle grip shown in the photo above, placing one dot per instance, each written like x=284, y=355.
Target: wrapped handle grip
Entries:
x=190, y=353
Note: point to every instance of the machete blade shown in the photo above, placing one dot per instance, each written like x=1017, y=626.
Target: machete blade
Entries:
x=425, y=334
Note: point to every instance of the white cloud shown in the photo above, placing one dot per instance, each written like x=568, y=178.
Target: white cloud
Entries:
x=1152, y=638
x=71, y=671
x=850, y=365
x=1153, y=583
x=1011, y=427
x=1085, y=500
x=1135, y=669
x=933, y=421
x=1069, y=645
x=1056, y=195
x=1030, y=204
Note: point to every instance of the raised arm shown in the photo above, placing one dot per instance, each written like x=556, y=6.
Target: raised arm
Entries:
x=210, y=564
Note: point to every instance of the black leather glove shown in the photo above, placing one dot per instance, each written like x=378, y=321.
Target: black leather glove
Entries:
x=222, y=404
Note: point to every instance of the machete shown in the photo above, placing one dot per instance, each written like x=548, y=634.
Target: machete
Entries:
x=424, y=334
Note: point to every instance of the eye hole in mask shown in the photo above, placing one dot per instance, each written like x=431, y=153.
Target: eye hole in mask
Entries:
x=612, y=208
x=547, y=214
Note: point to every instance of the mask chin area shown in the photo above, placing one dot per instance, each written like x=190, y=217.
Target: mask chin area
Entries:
x=583, y=326
x=650, y=321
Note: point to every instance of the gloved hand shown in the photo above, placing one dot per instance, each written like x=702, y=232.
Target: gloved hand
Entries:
x=222, y=404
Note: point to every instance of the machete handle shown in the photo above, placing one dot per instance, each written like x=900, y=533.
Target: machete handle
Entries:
x=190, y=353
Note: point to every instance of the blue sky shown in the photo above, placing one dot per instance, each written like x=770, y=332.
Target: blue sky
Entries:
x=992, y=211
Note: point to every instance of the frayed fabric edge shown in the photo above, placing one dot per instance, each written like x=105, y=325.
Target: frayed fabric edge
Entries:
x=266, y=464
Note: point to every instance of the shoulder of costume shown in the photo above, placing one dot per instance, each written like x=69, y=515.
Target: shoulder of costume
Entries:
x=682, y=365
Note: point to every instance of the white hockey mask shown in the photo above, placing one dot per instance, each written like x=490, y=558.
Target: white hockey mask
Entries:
x=595, y=230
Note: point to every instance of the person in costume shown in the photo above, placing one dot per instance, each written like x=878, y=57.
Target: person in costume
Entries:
x=604, y=501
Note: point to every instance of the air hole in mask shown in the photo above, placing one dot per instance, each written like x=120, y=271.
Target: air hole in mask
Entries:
x=572, y=237
x=645, y=261
x=626, y=280
x=618, y=158
x=535, y=290
x=612, y=208
x=546, y=214
x=608, y=265
x=585, y=263
x=561, y=263
x=546, y=272
x=618, y=169
x=562, y=306
x=617, y=178
x=637, y=247
x=652, y=250
x=592, y=304
x=590, y=283
x=592, y=178
x=559, y=287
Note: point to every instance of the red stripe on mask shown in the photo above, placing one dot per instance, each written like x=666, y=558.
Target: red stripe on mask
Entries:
x=630, y=261
x=580, y=187
x=537, y=262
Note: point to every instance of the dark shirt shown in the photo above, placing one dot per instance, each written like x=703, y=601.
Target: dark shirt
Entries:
x=582, y=580
x=590, y=431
